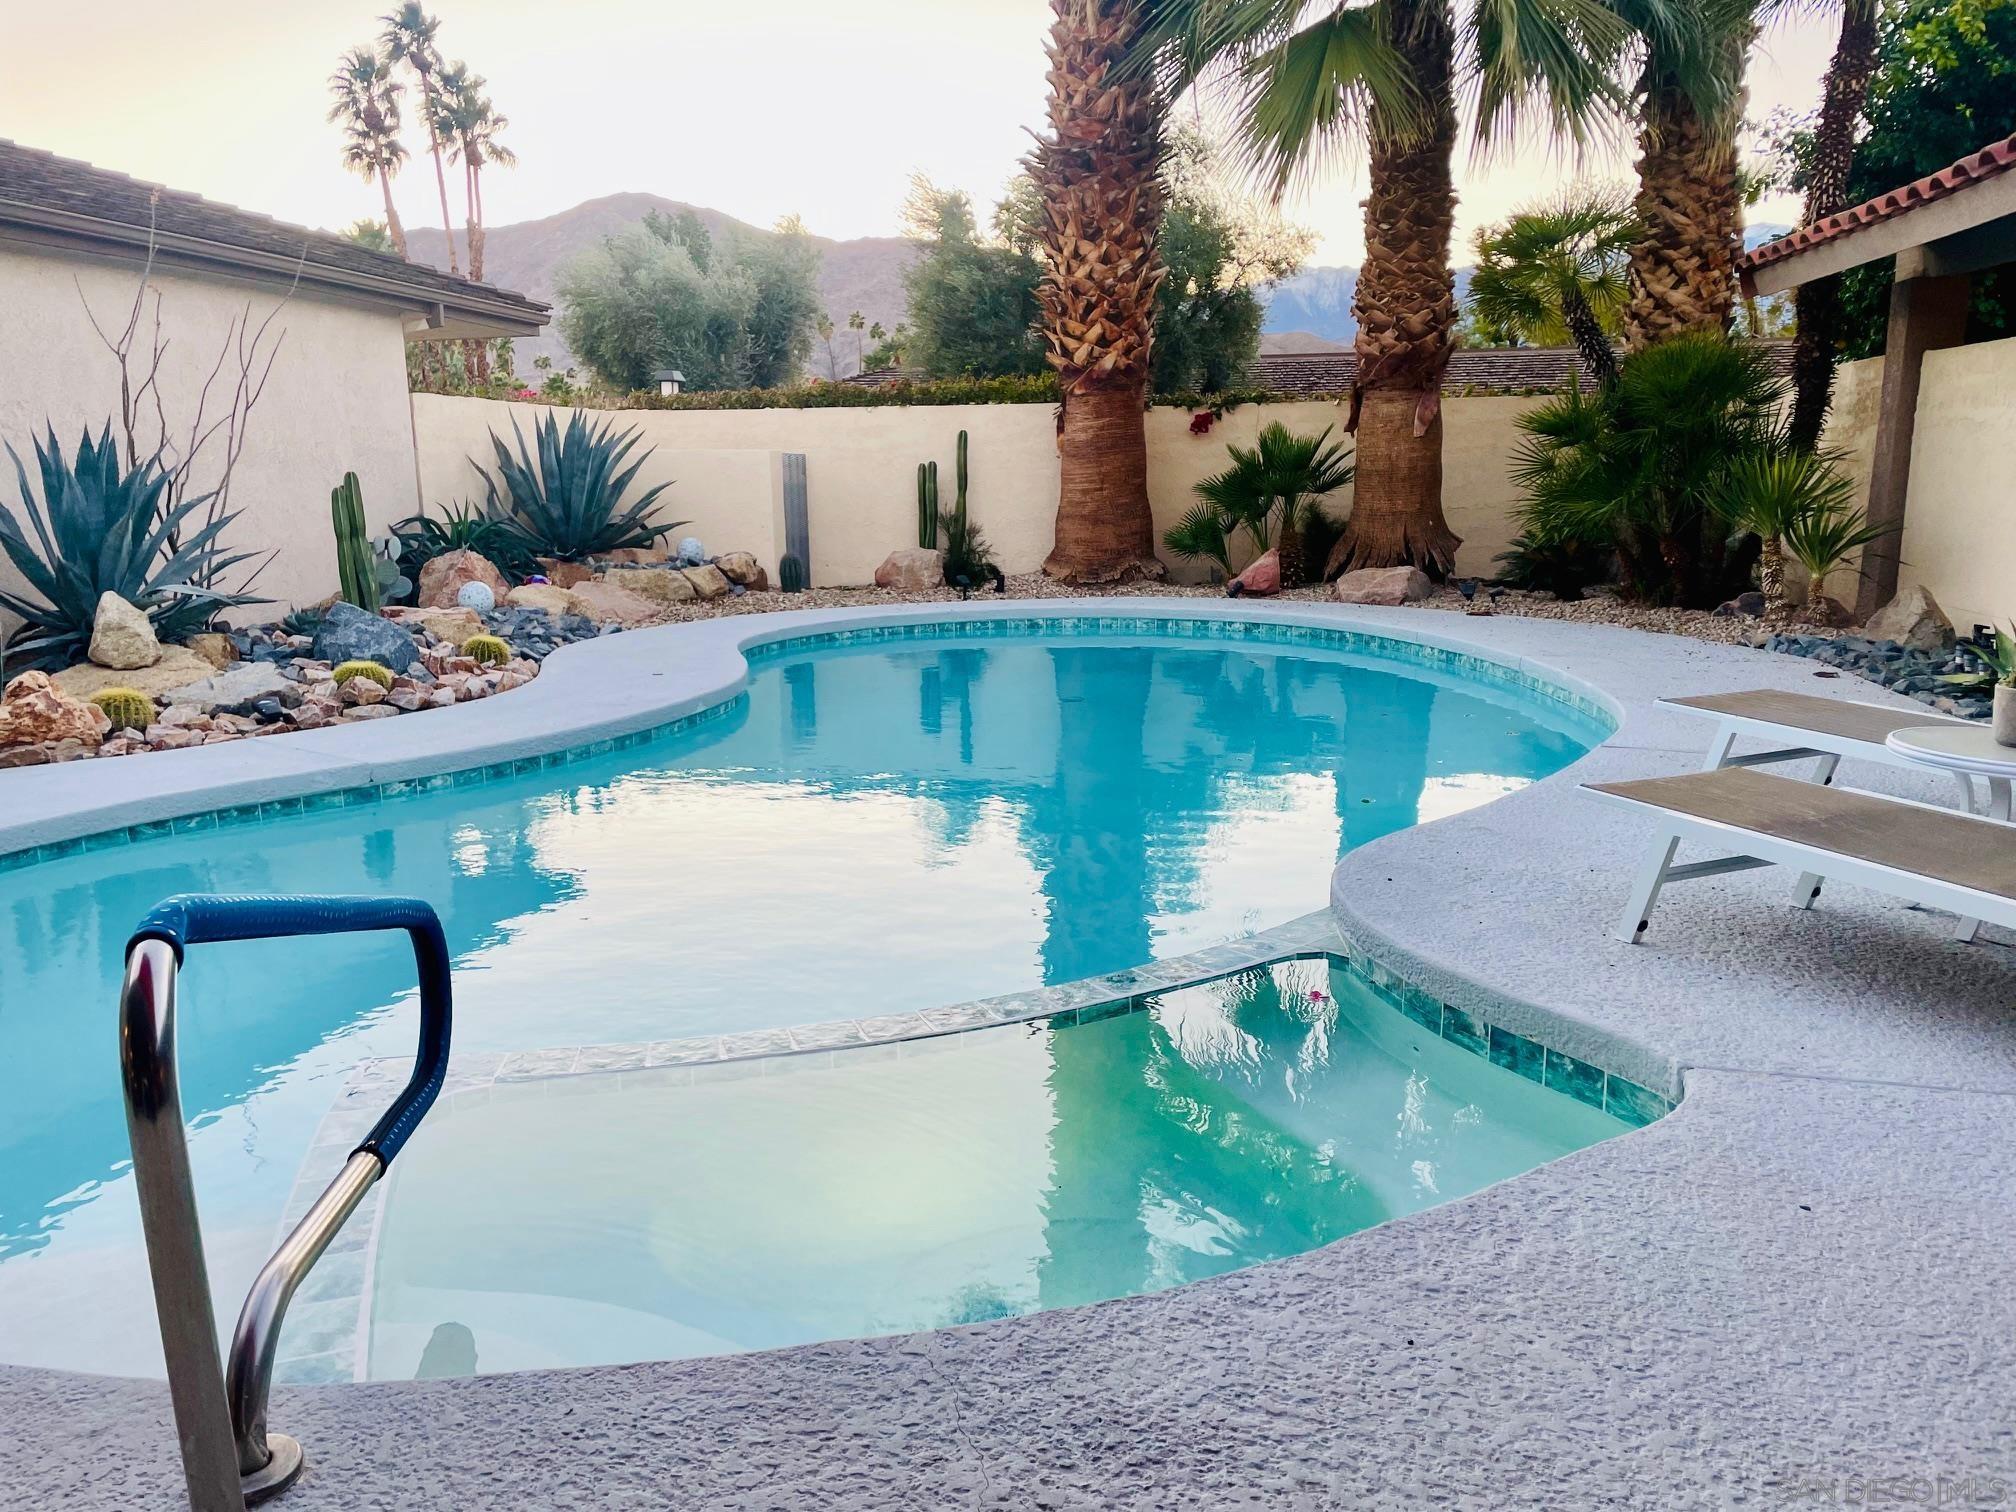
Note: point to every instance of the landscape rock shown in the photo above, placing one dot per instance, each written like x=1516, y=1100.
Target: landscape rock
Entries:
x=1914, y=620
x=442, y=579
x=707, y=581
x=552, y=599
x=451, y=625
x=121, y=636
x=1745, y=605
x=912, y=569
x=635, y=556
x=743, y=568
x=563, y=574
x=218, y=650
x=239, y=689
x=362, y=691
x=178, y=667
x=1388, y=586
x=36, y=711
x=607, y=603
x=1261, y=579
x=665, y=584
x=348, y=633
x=370, y=711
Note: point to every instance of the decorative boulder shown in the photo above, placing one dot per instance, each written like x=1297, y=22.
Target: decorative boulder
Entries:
x=452, y=625
x=611, y=603
x=121, y=636
x=477, y=598
x=348, y=633
x=1749, y=605
x=236, y=691
x=1914, y=620
x=442, y=579
x=707, y=581
x=1387, y=586
x=1261, y=579
x=741, y=567
x=667, y=585
x=637, y=556
x=549, y=597
x=177, y=668
x=912, y=569
x=35, y=711
x=213, y=648
x=563, y=574
x=691, y=553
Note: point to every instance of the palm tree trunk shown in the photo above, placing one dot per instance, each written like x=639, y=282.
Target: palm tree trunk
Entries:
x=440, y=173
x=1590, y=339
x=1771, y=579
x=1818, y=304
x=1683, y=266
x=1406, y=311
x=1105, y=532
x=394, y=227
x=475, y=354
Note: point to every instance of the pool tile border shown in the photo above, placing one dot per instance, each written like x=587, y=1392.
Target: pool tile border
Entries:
x=1391, y=648
x=317, y=1347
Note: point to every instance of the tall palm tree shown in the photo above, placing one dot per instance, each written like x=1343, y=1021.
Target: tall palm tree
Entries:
x=409, y=38
x=1817, y=304
x=1689, y=92
x=1559, y=269
x=472, y=128
x=1097, y=171
x=1305, y=81
x=366, y=106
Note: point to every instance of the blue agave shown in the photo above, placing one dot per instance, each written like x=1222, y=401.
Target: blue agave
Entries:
x=568, y=504
x=99, y=528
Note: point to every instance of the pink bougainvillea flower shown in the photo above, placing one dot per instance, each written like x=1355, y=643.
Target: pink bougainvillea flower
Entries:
x=1201, y=422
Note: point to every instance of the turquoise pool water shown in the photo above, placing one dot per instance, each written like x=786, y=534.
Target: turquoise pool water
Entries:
x=871, y=828
x=657, y=1214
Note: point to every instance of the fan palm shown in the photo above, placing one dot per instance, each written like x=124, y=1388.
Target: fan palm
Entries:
x=471, y=126
x=367, y=108
x=1304, y=82
x=409, y=38
x=1796, y=501
x=1097, y=170
x=1270, y=489
x=1557, y=270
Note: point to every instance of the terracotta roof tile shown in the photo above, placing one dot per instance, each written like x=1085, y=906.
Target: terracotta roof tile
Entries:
x=1990, y=162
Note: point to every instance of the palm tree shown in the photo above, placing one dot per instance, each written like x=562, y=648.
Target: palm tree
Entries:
x=1269, y=491
x=1817, y=304
x=409, y=38
x=1690, y=96
x=1559, y=269
x=1097, y=171
x=1303, y=83
x=472, y=127
x=367, y=108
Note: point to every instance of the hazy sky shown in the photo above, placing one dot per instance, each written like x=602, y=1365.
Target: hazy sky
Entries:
x=758, y=108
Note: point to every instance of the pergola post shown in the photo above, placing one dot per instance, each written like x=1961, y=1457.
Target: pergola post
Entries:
x=1926, y=314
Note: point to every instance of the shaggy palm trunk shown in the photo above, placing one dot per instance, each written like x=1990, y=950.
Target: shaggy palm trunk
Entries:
x=476, y=354
x=1102, y=206
x=1818, y=304
x=1683, y=265
x=394, y=227
x=1771, y=579
x=1590, y=339
x=1406, y=311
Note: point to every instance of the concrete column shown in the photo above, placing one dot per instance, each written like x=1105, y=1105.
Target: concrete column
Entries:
x=1926, y=313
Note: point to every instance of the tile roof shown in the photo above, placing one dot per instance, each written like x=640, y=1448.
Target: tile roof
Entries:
x=1990, y=162
x=41, y=191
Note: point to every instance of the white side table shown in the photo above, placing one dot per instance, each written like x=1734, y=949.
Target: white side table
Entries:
x=1968, y=752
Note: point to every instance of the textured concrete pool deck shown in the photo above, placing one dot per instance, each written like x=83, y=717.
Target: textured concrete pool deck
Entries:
x=1793, y=1289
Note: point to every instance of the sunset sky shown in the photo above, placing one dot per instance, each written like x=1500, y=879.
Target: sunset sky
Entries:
x=759, y=109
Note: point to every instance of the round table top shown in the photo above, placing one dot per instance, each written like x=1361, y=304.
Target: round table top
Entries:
x=1956, y=748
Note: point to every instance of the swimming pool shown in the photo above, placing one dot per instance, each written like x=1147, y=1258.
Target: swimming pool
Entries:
x=656, y=1214
x=880, y=823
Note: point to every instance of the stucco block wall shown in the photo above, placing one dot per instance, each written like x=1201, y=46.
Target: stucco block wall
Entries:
x=336, y=400
x=861, y=470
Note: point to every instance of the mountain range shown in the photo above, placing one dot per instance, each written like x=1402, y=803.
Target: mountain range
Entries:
x=1310, y=311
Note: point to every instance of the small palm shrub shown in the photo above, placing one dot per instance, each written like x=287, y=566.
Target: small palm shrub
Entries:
x=1797, y=503
x=1564, y=567
x=461, y=527
x=566, y=501
x=370, y=671
x=1642, y=466
x=126, y=708
x=101, y=527
x=1272, y=492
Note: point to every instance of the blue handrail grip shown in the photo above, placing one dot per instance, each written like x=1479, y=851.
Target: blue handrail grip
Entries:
x=207, y=918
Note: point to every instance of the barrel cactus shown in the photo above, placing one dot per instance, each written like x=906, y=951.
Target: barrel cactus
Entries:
x=366, y=669
x=126, y=708
x=487, y=650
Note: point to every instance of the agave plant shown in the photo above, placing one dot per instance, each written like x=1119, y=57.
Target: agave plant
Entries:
x=101, y=527
x=461, y=527
x=1272, y=490
x=568, y=503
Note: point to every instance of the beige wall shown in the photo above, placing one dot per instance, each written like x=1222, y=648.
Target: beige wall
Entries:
x=336, y=400
x=861, y=468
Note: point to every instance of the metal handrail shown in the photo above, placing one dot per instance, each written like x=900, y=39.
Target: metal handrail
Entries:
x=228, y=1458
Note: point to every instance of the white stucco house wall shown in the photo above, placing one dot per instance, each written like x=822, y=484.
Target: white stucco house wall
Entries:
x=75, y=242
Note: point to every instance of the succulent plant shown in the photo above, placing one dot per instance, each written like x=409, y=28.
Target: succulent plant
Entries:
x=791, y=576
x=487, y=650
x=366, y=669
x=355, y=574
x=927, y=505
x=126, y=708
x=567, y=500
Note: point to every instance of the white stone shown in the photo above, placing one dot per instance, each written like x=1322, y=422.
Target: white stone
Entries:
x=122, y=637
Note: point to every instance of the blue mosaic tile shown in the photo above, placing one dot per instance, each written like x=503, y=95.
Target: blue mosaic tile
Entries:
x=1517, y=1053
x=1577, y=1078
x=1460, y=1028
x=1421, y=1007
x=1632, y=1103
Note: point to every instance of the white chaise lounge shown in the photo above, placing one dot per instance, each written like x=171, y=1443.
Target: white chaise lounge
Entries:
x=1934, y=856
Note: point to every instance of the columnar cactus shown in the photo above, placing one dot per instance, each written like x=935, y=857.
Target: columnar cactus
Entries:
x=355, y=566
x=959, y=505
x=927, y=505
x=487, y=650
x=126, y=708
x=371, y=670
